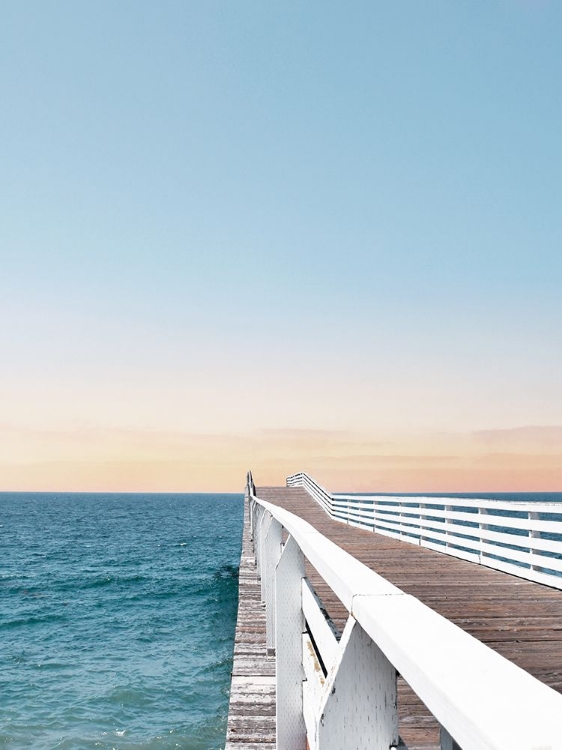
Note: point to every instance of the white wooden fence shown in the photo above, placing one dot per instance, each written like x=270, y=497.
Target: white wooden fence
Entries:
x=341, y=695
x=521, y=538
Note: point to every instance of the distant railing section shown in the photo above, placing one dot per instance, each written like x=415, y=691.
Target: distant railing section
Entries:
x=521, y=538
x=322, y=496
x=335, y=693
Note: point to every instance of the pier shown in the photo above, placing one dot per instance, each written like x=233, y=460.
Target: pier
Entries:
x=382, y=621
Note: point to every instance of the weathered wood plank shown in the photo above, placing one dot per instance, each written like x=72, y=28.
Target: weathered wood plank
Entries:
x=251, y=715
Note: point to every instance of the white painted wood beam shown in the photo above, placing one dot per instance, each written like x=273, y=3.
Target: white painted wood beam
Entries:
x=291, y=729
x=359, y=707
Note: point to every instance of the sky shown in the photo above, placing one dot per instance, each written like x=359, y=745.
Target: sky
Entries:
x=284, y=236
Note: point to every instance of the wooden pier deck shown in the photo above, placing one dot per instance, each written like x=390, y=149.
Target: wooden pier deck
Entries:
x=519, y=619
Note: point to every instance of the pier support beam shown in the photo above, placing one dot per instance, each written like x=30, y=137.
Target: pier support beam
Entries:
x=272, y=551
x=260, y=549
x=360, y=699
x=291, y=729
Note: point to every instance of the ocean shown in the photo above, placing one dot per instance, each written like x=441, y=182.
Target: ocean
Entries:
x=117, y=617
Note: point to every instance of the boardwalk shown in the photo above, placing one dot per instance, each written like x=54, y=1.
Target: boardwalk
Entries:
x=251, y=716
x=519, y=619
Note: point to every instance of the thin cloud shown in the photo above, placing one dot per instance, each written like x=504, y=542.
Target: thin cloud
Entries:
x=539, y=435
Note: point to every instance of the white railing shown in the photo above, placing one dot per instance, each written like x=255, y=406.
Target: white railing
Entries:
x=521, y=538
x=342, y=694
x=321, y=495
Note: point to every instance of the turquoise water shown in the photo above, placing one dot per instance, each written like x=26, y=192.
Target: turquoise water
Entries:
x=117, y=616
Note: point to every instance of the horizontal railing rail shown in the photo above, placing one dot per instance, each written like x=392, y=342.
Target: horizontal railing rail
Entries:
x=521, y=538
x=335, y=694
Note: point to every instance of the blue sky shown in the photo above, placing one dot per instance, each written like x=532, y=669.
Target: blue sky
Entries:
x=226, y=217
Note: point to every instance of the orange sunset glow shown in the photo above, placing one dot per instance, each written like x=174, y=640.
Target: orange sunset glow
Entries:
x=526, y=459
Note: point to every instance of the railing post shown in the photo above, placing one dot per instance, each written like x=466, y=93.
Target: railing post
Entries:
x=532, y=516
x=448, y=524
x=273, y=542
x=422, y=522
x=264, y=528
x=252, y=514
x=256, y=515
x=258, y=536
x=446, y=741
x=481, y=513
x=359, y=709
x=289, y=626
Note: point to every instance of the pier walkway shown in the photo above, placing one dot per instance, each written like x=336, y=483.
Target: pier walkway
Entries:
x=517, y=618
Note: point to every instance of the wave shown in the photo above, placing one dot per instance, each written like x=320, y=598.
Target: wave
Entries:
x=19, y=622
